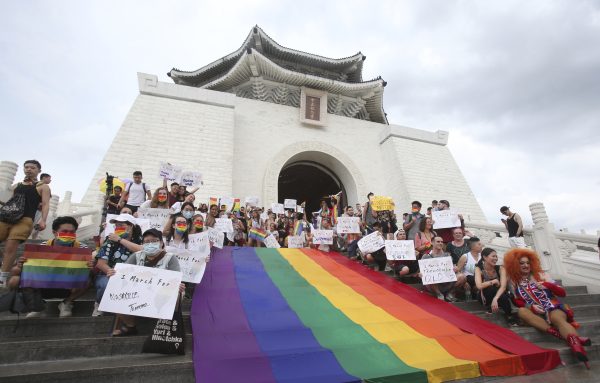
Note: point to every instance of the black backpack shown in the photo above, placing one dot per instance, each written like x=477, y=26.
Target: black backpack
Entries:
x=12, y=211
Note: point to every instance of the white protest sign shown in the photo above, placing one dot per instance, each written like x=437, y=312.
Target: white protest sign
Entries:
x=109, y=228
x=437, y=270
x=299, y=209
x=400, y=250
x=295, y=241
x=224, y=225
x=199, y=242
x=216, y=237
x=445, y=218
x=289, y=204
x=191, y=263
x=252, y=201
x=371, y=243
x=277, y=208
x=264, y=215
x=227, y=201
x=271, y=242
x=157, y=217
x=191, y=179
x=141, y=291
x=171, y=172
x=322, y=237
x=143, y=223
x=348, y=225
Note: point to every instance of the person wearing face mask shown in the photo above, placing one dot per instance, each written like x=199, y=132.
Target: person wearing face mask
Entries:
x=116, y=249
x=178, y=235
x=197, y=224
x=413, y=220
x=186, y=210
x=153, y=254
x=160, y=199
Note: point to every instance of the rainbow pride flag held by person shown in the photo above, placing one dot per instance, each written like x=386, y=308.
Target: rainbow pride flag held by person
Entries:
x=236, y=205
x=213, y=201
x=258, y=234
x=283, y=315
x=298, y=227
x=56, y=267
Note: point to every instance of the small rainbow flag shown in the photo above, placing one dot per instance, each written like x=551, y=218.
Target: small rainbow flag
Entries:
x=57, y=267
x=258, y=234
x=236, y=205
x=298, y=227
x=300, y=315
x=213, y=201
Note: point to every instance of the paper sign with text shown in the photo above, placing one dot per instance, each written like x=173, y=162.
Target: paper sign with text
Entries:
x=252, y=201
x=380, y=203
x=400, y=250
x=322, y=237
x=371, y=243
x=157, y=217
x=271, y=242
x=216, y=237
x=299, y=209
x=109, y=228
x=171, y=172
x=192, y=263
x=191, y=179
x=445, y=218
x=199, y=242
x=295, y=241
x=144, y=224
x=289, y=204
x=227, y=201
x=437, y=270
x=348, y=225
x=223, y=225
x=277, y=208
x=141, y=291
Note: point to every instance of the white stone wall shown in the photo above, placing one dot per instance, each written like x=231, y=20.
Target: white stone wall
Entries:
x=241, y=145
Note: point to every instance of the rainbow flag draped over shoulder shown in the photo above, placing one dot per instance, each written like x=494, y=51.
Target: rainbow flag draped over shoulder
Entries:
x=257, y=234
x=56, y=267
x=283, y=315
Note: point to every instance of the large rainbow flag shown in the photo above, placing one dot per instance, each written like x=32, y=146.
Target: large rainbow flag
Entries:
x=300, y=315
x=56, y=267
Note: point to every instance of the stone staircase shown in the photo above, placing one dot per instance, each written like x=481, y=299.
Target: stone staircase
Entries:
x=80, y=348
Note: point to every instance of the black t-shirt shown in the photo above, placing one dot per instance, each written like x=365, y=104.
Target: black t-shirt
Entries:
x=457, y=251
x=112, y=209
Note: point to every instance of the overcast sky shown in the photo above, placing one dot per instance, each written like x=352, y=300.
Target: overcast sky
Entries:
x=516, y=83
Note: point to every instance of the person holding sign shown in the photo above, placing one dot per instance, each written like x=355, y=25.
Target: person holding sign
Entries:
x=490, y=280
x=152, y=255
x=377, y=257
x=403, y=268
x=446, y=233
x=443, y=291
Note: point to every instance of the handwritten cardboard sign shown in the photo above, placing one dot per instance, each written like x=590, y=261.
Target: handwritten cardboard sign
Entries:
x=289, y=204
x=295, y=241
x=348, y=225
x=157, y=217
x=437, y=270
x=445, y=218
x=322, y=237
x=191, y=263
x=271, y=242
x=371, y=243
x=191, y=179
x=400, y=250
x=380, y=203
x=223, y=225
x=252, y=201
x=277, y=208
x=141, y=291
x=171, y=172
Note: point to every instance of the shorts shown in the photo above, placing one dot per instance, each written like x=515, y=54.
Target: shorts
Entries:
x=19, y=231
x=517, y=242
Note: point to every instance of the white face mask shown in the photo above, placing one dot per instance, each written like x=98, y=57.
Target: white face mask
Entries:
x=151, y=248
x=187, y=214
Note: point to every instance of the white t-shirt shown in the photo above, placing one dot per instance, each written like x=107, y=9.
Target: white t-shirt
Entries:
x=136, y=196
x=471, y=263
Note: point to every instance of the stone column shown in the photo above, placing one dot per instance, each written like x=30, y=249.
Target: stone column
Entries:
x=545, y=242
x=8, y=171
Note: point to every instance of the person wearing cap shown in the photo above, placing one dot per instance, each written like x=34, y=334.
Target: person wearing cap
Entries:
x=153, y=254
x=113, y=251
x=514, y=226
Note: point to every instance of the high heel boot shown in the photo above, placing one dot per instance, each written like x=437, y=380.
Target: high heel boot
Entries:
x=577, y=349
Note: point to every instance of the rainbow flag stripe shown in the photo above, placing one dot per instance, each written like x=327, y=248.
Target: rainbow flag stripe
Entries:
x=57, y=267
x=275, y=315
x=257, y=234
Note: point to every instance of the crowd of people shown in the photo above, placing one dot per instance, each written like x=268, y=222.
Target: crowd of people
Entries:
x=520, y=282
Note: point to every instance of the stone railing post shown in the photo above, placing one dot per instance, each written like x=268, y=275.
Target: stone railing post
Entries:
x=8, y=171
x=65, y=206
x=545, y=242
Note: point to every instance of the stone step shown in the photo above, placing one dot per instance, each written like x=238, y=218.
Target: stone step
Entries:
x=15, y=329
x=141, y=368
x=593, y=352
x=24, y=350
x=573, y=300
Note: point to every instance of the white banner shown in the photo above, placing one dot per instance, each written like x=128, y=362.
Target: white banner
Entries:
x=289, y=204
x=437, y=270
x=277, y=208
x=224, y=225
x=295, y=241
x=271, y=242
x=171, y=172
x=371, y=243
x=199, y=242
x=400, y=250
x=157, y=217
x=348, y=225
x=264, y=215
x=252, y=201
x=445, y=218
x=192, y=263
x=191, y=179
x=299, y=209
x=216, y=237
x=144, y=224
x=322, y=237
x=141, y=291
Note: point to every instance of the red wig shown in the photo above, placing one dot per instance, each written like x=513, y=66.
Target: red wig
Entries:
x=513, y=267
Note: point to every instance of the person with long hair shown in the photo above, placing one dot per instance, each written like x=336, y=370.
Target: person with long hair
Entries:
x=178, y=235
x=490, y=279
x=424, y=237
x=535, y=293
x=160, y=199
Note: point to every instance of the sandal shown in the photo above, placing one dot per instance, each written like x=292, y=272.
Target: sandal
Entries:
x=125, y=331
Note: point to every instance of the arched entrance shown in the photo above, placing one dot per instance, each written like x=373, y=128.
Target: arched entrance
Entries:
x=309, y=181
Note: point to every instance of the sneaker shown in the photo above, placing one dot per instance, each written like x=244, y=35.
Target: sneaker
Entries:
x=440, y=297
x=35, y=314
x=451, y=298
x=96, y=312
x=65, y=309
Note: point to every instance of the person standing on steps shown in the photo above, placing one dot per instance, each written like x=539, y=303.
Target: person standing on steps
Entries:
x=135, y=193
x=514, y=226
x=16, y=216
